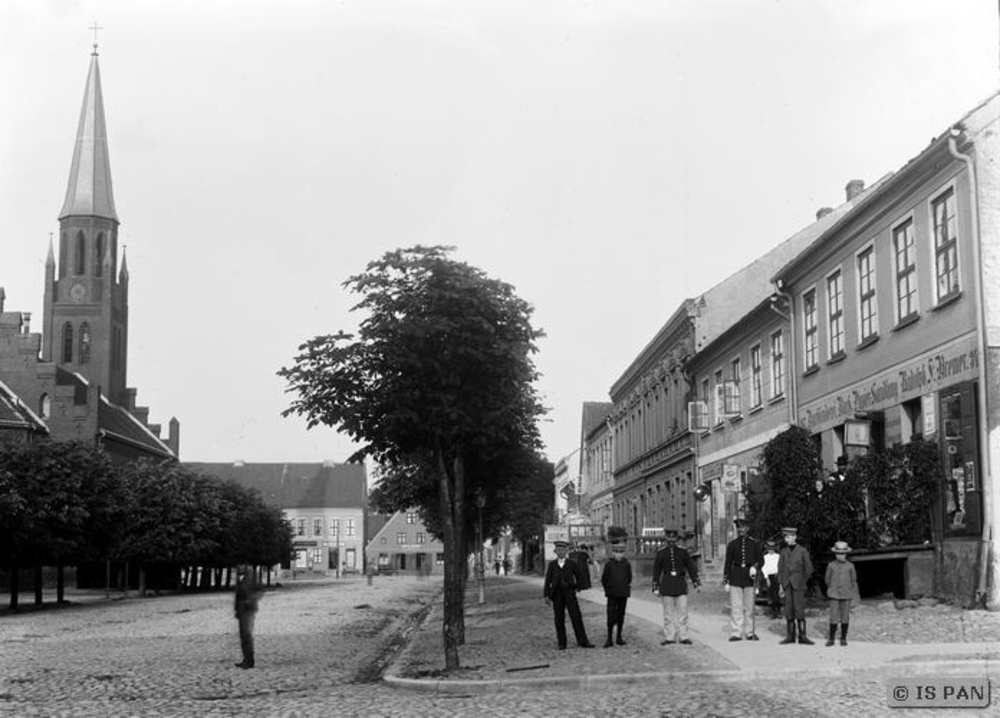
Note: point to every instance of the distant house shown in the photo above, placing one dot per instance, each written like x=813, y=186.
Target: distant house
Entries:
x=323, y=502
x=404, y=545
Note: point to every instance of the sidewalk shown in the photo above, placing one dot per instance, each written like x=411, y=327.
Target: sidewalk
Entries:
x=510, y=641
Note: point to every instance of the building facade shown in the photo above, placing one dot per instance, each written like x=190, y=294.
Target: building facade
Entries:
x=404, y=545
x=895, y=325
x=325, y=504
x=597, y=477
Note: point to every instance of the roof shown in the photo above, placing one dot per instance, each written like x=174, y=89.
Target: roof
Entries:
x=115, y=422
x=296, y=485
x=14, y=414
x=89, y=190
x=595, y=413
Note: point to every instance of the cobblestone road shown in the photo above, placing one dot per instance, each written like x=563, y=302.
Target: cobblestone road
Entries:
x=319, y=645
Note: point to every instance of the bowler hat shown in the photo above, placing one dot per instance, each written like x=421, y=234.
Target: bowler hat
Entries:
x=841, y=547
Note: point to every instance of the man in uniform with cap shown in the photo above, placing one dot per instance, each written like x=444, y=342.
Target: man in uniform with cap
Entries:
x=794, y=570
x=562, y=581
x=671, y=567
x=744, y=560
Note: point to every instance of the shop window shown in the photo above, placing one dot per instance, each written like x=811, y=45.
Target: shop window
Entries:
x=960, y=460
x=911, y=420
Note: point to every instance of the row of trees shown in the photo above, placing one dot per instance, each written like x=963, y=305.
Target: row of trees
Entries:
x=65, y=504
x=437, y=386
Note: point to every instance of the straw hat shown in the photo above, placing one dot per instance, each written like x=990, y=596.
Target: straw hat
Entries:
x=841, y=547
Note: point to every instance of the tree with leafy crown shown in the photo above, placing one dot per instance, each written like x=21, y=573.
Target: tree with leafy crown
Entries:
x=439, y=378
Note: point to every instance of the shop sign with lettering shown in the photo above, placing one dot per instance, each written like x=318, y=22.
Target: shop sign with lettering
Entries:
x=928, y=373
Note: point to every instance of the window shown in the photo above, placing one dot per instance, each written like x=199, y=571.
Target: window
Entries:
x=45, y=406
x=835, y=312
x=67, y=347
x=81, y=254
x=401, y=537
x=85, y=343
x=734, y=405
x=411, y=518
x=315, y=557
x=906, y=271
x=720, y=398
x=99, y=256
x=439, y=559
x=349, y=528
x=317, y=527
x=335, y=527
x=810, y=342
x=777, y=365
x=300, y=527
x=420, y=538
x=945, y=245
x=756, y=396
x=866, y=295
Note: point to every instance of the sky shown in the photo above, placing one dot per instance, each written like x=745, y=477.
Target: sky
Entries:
x=607, y=158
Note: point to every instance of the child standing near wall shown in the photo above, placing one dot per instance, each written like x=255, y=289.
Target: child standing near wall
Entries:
x=841, y=588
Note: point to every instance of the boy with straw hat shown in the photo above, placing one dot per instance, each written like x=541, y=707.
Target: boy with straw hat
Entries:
x=841, y=588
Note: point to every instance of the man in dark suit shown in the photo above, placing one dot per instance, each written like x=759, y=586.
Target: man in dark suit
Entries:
x=562, y=581
x=671, y=569
x=245, y=607
x=744, y=559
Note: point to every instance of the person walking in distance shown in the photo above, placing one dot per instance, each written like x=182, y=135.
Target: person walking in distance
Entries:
x=671, y=569
x=245, y=606
x=794, y=570
x=744, y=559
x=562, y=581
x=617, y=581
x=841, y=588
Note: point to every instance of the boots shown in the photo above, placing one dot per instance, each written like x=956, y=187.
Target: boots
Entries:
x=620, y=641
x=802, y=633
x=789, y=633
x=843, y=634
x=833, y=634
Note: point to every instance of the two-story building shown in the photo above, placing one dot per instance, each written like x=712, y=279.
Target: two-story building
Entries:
x=894, y=314
x=404, y=545
x=325, y=504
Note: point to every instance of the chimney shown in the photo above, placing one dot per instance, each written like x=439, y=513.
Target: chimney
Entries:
x=3, y=296
x=26, y=318
x=822, y=212
x=854, y=188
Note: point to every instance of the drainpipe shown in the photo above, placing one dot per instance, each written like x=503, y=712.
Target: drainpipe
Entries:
x=793, y=398
x=987, y=541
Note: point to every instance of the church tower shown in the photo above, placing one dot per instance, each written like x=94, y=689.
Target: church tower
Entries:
x=85, y=312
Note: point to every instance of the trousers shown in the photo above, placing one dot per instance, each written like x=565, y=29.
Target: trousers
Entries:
x=675, y=617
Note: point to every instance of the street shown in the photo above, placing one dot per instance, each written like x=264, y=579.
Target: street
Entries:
x=321, y=647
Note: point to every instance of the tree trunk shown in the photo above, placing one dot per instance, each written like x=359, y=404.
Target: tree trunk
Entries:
x=38, y=585
x=60, y=583
x=452, y=628
x=142, y=581
x=15, y=586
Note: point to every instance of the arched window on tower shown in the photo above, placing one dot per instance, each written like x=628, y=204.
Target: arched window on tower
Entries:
x=45, y=406
x=67, y=348
x=99, y=256
x=81, y=254
x=84, y=355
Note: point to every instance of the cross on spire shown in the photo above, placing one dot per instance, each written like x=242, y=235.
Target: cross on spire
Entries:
x=95, y=27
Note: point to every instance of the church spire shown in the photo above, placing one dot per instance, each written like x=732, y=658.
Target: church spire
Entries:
x=89, y=190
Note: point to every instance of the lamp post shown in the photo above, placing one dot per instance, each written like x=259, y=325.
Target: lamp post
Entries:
x=480, y=566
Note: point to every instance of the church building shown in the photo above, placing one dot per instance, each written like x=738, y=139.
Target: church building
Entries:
x=73, y=376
